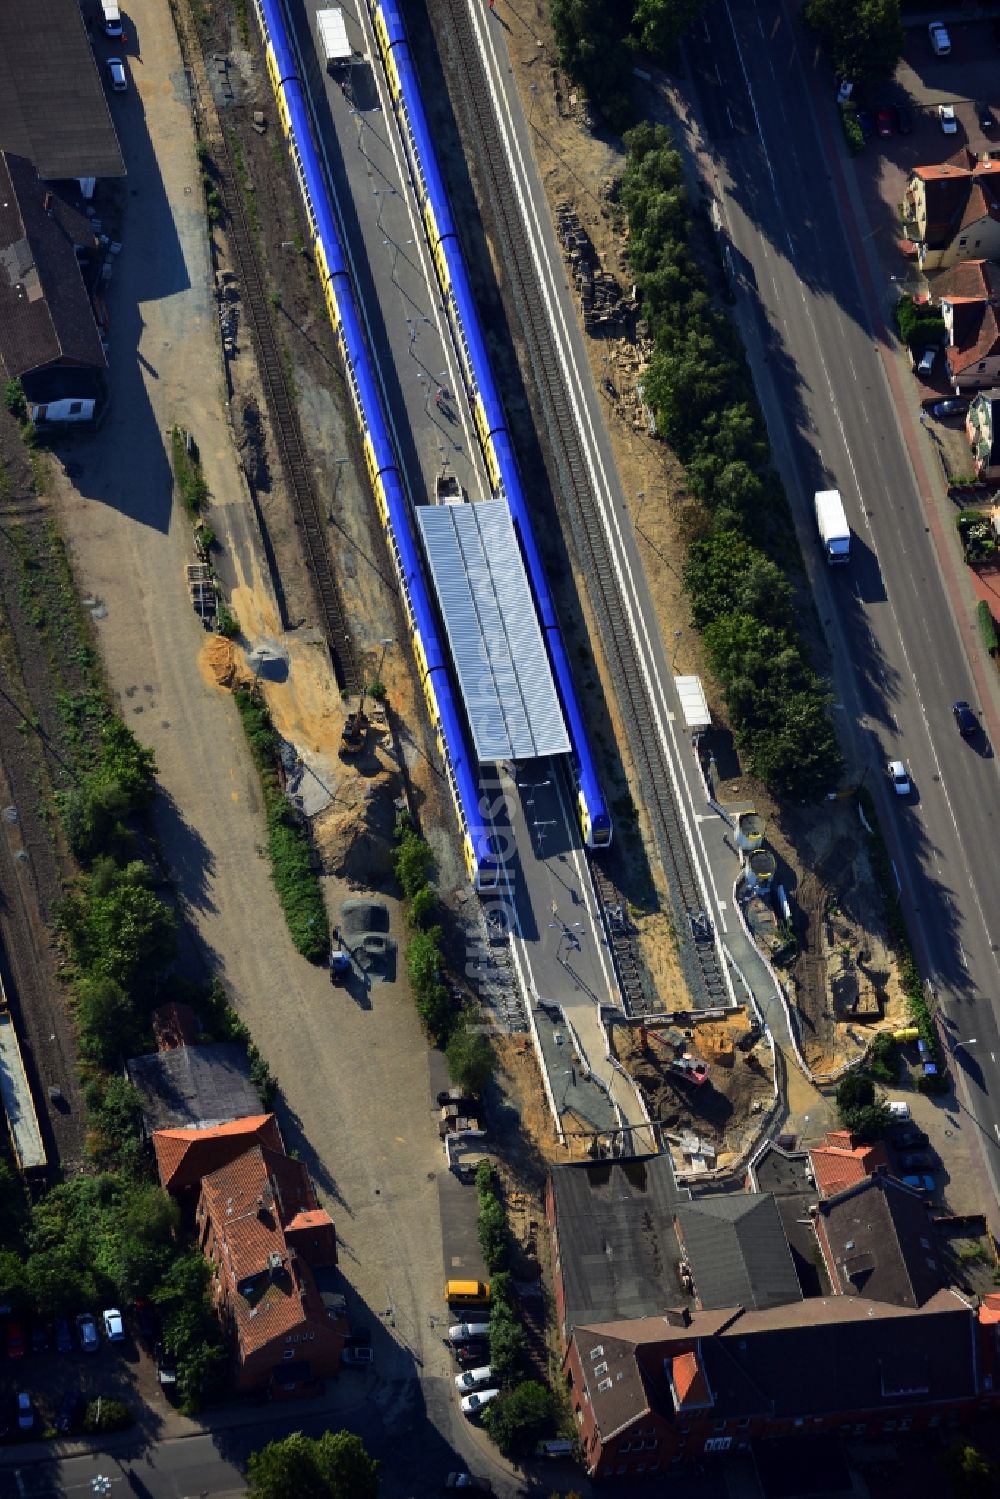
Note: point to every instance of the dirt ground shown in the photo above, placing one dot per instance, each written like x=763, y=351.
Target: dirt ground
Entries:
x=722, y=1110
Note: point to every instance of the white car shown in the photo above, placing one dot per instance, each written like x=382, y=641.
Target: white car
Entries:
x=939, y=38
x=473, y=1378
x=473, y=1404
x=946, y=115
x=119, y=80
x=897, y=774
x=114, y=1330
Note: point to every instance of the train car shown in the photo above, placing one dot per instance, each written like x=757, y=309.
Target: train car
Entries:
x=478, y=840
x=484, y=399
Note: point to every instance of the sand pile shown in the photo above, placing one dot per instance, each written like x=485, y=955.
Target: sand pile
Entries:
x=218, y=664
x=354, y=835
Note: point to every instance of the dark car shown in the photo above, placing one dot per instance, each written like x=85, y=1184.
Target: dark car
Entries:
x=467, y=1483
x=984, y=115
x=64, y=1338
x=885, y=122
x=866, y=120
x=70, y=1410
x=968, y=723
x=904, y=120
x=910, y=1139
x=39, y=1339
x=952, y=407
x=916, y=1160
x=471, y=1355
x=15, y=1340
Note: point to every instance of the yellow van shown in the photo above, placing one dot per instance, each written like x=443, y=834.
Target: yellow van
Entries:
x=467, y=1293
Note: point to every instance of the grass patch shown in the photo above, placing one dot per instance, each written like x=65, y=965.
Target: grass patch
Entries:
x=290, y=846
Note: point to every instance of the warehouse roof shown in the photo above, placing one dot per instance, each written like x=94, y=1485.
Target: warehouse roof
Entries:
x=493, y=630
x=194, y=1086
x=53, y=108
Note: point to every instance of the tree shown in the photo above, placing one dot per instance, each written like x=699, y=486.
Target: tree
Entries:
x=423, y=959
x=470, y=1058
x=492, y=1231
x=508, y=1347
x=116, y=926
x=127, y=764
x=336, y=1466
x=423, y=904
x=862, y=1113
x=202, y=1376
x=57, y=1283
x=517, y=1420
x=661, y=24
x=412, y=863
x=108, y=1025
x=972, y=1473
x=863, y=38
x=13, y=1279
x=590, y=35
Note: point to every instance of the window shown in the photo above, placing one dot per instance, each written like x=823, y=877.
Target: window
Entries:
x=75, y=407
x=889, y=1426
x=743, y=1422
x=718, y=1425
x=906, y=1423
x=288, y=1353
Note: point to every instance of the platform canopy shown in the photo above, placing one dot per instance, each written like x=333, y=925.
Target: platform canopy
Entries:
x=493, y=631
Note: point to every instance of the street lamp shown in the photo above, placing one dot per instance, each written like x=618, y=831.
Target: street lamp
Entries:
x=677, y=641
x=959, y=1044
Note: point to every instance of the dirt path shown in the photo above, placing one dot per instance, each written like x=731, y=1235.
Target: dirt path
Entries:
x=353, y=1076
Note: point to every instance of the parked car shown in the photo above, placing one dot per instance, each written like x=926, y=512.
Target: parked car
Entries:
x=465, y=1332
x=947, y=120
x=473, y=1404
x=952, y=407
x=39, y=1339
x=64, y=1338
x=925, y=364
x=15, y=1340
x=86, y=1331
x=468, y=1355
x=119, y=80
x=904, y=120
x=70, y=1409
x=966, y=720
x=468, y=1484
x=473, y=1378
x=885, y=123
x=939, y=39
x=166, y=1368
x=114, y=1328
x=354, y=1357
x=910, y=1139
x=25, y=1411
x=922, y=1183
x=916, y=1160
x=866, y=120
x=984, y=115
x=896, y=772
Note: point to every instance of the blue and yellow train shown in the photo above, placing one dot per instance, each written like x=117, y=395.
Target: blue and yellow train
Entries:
x=484, y=400
x=479, y=842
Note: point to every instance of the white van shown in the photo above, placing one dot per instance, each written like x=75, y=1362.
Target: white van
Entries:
x=898, y=1109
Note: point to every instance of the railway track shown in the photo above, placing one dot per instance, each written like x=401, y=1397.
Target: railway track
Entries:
x=284, y=420
x=698, y=947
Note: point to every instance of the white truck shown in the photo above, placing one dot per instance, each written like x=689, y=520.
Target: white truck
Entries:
x=831, y=522
x=331, y=29
x=111, y=17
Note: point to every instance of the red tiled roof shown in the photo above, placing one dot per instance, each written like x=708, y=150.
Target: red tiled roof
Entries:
x=989, y=1311
x=838, y=1163
x=269, y=1290
x=969, y=281
x=957, y=193
x=184, y=1156
x=976, y=335
x=689, y=1381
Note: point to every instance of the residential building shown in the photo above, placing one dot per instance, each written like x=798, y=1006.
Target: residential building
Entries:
x=273, y=1252
x=969, y=297
x=194, y=1087
x=952, y=210
x=185, y=1156
x=876, y=1344
x=53, y=107
x=839, y=1161
x=49, y=338
x=982, y=428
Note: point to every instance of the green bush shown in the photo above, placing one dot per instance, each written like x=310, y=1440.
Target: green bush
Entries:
x=471, y=1059
x=884, y=1058
x=861, y=1112
x=15, y=400
x=412, y=864
x=423, y=905
x=987, y=626
x=106, y=1414
x=190, y=481
x=853, y=133
x=491, y=1228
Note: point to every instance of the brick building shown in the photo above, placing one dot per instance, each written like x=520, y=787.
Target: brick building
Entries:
x=273, y=1251
x=880, y=1345
x=185, y=1156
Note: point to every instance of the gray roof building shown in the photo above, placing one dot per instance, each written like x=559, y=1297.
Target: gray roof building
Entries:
x=878, y=1243
x=194, y=1086
x=737, y=1252
x=53, y=108
x=617, y=1250
x=46, y=319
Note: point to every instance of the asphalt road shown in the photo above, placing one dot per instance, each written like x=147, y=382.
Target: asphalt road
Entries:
x=812, y=313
